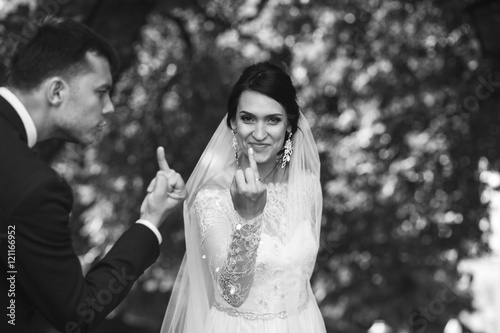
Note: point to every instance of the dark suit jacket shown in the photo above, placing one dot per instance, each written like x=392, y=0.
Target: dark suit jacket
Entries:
x=41, y=278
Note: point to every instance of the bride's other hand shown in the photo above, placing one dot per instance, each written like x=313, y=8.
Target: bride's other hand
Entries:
x=165, y=192
x=248, y=193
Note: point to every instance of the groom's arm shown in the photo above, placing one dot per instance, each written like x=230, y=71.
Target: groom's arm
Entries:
x=49, y=271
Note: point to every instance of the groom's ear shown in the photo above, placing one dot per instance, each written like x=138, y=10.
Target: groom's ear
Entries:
x=56, y=91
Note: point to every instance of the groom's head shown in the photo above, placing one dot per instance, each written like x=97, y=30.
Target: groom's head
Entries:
x=68, y=68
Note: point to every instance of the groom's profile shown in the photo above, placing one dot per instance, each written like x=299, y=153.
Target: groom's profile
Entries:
x=58, y=87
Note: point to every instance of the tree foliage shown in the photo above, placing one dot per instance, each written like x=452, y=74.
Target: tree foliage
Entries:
x=388, y=87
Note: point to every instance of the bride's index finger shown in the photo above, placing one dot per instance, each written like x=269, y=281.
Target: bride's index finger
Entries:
x=162, y=162
x=253, y=164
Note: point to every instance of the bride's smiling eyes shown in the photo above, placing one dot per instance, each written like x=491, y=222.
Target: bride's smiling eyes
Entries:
x=273, y=120
x=246, y=119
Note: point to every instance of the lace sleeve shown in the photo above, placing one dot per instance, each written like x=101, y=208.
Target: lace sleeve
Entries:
x=231, y=251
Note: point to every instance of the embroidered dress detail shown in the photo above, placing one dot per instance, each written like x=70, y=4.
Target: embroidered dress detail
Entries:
x=248, y=259
x=240, y=264
x=254, y=316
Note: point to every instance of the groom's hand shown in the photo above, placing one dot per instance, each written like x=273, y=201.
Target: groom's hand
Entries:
x=165, y=192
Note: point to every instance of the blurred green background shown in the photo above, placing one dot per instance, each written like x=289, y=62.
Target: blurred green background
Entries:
x=403, y=98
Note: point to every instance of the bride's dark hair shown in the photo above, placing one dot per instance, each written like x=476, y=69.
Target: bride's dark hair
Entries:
x=269, y=80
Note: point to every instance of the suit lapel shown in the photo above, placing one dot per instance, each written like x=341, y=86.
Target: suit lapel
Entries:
x=10, y=114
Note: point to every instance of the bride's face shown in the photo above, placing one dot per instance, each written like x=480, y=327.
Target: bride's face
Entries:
x=260, y=123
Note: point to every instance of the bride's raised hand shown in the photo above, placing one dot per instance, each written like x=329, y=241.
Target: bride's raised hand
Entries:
x=248, y=193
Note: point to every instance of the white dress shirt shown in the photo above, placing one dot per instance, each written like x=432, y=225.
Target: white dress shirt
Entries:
x=29, y=125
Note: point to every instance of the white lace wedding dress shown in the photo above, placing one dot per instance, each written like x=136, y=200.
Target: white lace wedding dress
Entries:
x=253, y=273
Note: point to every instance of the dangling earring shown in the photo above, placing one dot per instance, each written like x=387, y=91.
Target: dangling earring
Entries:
x=288, y=150
x=235, y=147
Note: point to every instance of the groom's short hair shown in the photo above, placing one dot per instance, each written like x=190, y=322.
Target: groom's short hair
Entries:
x=58, y=47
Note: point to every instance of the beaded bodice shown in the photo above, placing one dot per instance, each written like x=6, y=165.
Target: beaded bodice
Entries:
x=284, y=259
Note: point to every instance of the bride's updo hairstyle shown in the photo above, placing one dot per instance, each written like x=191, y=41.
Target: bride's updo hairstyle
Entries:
x=269, y=80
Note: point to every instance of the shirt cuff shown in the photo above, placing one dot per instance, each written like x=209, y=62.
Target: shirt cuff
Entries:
x=152, y=227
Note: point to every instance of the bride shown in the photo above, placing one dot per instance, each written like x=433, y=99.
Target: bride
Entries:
x=252, y=218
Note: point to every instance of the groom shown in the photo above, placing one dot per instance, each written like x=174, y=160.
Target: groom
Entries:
x=59, y=87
